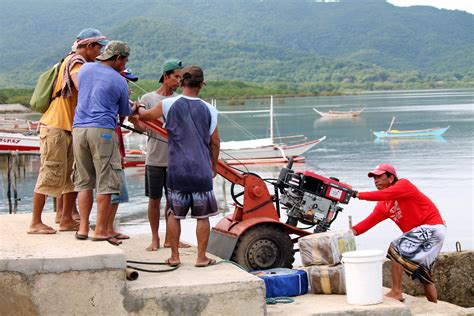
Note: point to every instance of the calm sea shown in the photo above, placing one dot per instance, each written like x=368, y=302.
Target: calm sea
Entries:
x=441, y=168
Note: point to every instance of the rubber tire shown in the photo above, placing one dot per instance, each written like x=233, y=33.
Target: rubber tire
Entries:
x=264, y=239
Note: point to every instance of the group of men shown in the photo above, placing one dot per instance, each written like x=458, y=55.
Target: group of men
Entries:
x=80, y=153
x=80, y=146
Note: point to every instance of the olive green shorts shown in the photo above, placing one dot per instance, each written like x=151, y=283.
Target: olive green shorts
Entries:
x=54, y=177
x=96, y=160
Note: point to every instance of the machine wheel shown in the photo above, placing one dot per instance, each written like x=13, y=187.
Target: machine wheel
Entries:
x=264, y=247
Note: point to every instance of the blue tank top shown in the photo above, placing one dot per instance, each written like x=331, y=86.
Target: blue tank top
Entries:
x=190, y=123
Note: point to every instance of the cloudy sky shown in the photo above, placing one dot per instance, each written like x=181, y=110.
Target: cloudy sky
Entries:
x=464, y=5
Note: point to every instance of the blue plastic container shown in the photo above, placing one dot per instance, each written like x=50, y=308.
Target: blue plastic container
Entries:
x=283, y=282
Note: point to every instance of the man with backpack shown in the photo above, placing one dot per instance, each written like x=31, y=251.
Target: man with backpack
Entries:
x=54, y=177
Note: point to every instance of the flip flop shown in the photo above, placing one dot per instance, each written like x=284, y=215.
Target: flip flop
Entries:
x=71, y=228
x=211, y=262
x=121, y=236
x=114, y=241
x=42, y=231
x=81, y=237
x=110, y=240
x=172, y=264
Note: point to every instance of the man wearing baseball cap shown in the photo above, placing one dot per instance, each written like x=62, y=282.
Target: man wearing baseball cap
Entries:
x=54, y=178
x=420, y=221
x=103, y=94
x=157, y=151
x=193, y=149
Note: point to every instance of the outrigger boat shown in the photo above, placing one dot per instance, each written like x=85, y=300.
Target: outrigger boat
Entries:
x=266, y=149
x=419, y=133
x=330, y=113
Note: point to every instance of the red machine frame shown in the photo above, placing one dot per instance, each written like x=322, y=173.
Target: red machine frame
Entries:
x=258, y=206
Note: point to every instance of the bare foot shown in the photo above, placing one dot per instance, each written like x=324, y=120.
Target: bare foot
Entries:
x=76, y=217
x=154, y=246
x=394, y=295
x=180, y=245
x=41, y=228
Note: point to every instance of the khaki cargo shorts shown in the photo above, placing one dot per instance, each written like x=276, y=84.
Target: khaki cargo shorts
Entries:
x=96, y=160
x=57, y=158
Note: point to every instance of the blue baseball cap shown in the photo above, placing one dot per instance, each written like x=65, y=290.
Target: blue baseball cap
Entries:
x=91, y=33
x=127, y=74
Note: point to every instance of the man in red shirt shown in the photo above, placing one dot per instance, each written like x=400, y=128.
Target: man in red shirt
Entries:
x=418, y=218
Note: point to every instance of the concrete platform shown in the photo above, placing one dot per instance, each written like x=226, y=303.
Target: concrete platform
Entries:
x=59, y=275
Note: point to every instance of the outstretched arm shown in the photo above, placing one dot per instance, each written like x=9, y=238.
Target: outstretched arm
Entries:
x=373, y=219
x=151, y=114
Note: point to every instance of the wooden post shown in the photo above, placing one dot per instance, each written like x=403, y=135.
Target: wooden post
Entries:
x=15, y=170
x=9, y=193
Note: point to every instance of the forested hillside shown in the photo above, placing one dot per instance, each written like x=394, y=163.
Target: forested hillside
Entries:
x=251, y=41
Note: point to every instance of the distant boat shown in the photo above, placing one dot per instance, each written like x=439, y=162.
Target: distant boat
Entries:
x=330, y=113
x=418, y=133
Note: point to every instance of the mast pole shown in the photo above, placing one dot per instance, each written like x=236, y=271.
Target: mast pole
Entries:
x=271, y=117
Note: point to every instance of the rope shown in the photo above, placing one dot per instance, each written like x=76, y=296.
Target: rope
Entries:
x=280, y=299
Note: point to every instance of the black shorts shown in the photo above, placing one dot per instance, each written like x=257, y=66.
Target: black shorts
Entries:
x=155, y=181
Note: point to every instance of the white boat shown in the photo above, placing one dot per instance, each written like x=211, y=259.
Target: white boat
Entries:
x=330, y=113
x=266, y=148
x=18, y=142
x=25, y=142
x=17, y=125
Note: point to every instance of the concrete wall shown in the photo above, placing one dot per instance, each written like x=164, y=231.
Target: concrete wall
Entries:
x=454, y=275
x=105, y=292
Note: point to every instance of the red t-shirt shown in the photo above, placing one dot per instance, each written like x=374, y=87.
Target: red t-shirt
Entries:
x=403, y=203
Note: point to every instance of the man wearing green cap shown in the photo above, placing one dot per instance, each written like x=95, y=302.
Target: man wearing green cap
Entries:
x=157, y=151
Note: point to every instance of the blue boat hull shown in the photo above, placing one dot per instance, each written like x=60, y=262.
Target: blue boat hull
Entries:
x=425, y=133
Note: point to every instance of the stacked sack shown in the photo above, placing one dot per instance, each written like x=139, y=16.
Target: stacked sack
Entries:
x=322, y=253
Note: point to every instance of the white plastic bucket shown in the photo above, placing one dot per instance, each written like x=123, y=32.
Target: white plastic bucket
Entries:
x=363, y=273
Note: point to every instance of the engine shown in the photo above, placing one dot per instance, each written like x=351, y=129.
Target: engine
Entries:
x=311, y=198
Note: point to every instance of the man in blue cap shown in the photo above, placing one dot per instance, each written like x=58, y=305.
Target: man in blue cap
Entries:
x=54, y=178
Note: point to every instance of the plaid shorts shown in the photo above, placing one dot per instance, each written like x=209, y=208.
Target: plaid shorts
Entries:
x=202, y=204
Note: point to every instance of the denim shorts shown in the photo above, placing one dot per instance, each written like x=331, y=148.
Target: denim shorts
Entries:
x=122, y=197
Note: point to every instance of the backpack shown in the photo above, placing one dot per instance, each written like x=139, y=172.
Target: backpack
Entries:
x=42, y=95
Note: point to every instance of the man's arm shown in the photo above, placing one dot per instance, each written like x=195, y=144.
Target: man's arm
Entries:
x=151, y=114
x=370, y=221
x=215, y=147
x=401, y=189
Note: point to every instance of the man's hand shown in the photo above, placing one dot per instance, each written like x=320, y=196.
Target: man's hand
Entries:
x=355, y=194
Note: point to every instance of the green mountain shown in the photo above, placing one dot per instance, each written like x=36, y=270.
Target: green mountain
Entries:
x=251, y=41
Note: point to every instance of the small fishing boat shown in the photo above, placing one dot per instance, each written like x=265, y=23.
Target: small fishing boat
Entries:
x=330, y=113
x=419, y=133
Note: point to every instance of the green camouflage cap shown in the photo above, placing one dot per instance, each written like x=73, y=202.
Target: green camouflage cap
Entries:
x=114, y=48
x=169, y=65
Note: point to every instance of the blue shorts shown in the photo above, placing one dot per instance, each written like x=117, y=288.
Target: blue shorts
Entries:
x=122, y=197
x=202, y=204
